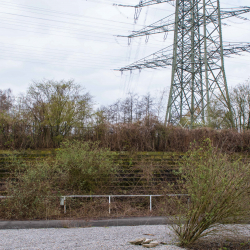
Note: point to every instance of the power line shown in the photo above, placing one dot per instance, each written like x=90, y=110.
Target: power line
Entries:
x=58, y=28
x=132, y=3
x=63, y=56
x=60, y=13
x=87, y=38
x=57, y=51
x=40, y=18
x=27, y=24
x=55, y=62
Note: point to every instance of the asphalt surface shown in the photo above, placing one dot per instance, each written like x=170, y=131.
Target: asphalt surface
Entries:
x=141, y=221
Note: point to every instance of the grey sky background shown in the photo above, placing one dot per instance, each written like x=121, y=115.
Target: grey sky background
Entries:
x=77, y=39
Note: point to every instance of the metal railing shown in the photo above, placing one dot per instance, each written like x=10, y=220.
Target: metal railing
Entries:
x=63, y=198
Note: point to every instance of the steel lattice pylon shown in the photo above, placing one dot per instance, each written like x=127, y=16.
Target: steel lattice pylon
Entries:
x=197, y=58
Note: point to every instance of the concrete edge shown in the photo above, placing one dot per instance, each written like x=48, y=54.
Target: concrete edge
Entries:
x=84, y=223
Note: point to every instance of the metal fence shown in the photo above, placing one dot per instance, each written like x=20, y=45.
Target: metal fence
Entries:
x=63, y=198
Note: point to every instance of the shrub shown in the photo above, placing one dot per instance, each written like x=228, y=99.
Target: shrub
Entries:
x=86, y=166
x=32, y=192
x=34, y=186
x=218, y=189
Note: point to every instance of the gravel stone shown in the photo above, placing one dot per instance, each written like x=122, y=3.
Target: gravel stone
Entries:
x=95, y=238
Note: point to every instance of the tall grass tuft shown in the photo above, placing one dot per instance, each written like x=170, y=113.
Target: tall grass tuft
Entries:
x=218, y=189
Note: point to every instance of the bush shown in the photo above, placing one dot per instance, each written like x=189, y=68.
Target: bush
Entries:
x=218, y=189
x=34, y=186
x=32, y=191
x=86, y=167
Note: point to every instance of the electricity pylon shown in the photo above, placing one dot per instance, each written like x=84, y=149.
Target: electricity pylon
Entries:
x=197, y=58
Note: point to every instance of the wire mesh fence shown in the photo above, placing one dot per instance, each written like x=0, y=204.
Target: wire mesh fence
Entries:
x=141, y=173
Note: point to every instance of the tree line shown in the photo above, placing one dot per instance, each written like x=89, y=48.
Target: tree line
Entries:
x=51, y=110
x=63, y=105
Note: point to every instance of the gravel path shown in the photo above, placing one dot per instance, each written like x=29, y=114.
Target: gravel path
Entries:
x=85, y=238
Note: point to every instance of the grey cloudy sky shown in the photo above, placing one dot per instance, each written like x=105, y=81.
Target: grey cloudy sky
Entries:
x=77, y=39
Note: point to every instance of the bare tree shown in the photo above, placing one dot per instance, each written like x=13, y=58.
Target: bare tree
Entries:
x=161, y=103
x=148, y=105
x=240, y=98
x=6, y=100
x=134, y=108
x=240, y=101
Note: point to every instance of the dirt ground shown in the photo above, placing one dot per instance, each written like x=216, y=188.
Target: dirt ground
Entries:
x=234, y=242
x=222, y=246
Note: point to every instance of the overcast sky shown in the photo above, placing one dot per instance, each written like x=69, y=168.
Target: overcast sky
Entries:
x=77, y=39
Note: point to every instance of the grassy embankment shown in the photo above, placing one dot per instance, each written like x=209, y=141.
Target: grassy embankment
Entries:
x=137, y=173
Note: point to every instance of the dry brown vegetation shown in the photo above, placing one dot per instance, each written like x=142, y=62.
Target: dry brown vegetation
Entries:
x=145, y=136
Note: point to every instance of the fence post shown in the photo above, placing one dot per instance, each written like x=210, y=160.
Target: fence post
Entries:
x=109, y=204
x=150, y=206
x=63, y=203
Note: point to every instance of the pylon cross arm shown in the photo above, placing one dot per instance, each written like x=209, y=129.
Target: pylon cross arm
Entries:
x=162, y=59
x=167, y=25
x=144, y=3
x=235, y=12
